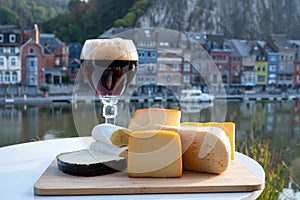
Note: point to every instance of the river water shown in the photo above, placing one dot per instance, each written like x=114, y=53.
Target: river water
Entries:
x=277, y=121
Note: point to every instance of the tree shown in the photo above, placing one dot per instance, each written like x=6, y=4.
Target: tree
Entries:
x=44, y=88
x=7, y=16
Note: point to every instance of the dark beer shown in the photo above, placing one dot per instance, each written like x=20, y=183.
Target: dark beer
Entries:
x=109, y=77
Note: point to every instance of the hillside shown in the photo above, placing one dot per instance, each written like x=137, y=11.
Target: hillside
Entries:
x=85, y=20
x=29, y=12
x=253, y=19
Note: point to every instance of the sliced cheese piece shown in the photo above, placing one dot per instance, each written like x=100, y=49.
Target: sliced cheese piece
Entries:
x=88, y=162
x=228, y=127
x=206, y=149
x=154, y=153
x=111, y=134
x=108, y=149
x=147, y=119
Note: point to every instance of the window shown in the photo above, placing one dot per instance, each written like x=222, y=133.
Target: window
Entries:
x=31, y=50
x=1, y=77
x=282, y=66
x=272, y=68
x=1, y=62
x=153, y=54
x=149, y=54
x=187, y=67
x=176, y=67
x=272, y=58
x=7, y=77
x=263, y=68
x=162, y=67
x=187, y=57
x=298, y=67
x=298, y=78
x=1, y=38
x=12, y=38
x=258, y=68
x=290, y=66
x=31, y=63
x=1, y=50
x=12, y=50
x=261, y=78
x=14, y=77
x=13, y=62
x=186, y=79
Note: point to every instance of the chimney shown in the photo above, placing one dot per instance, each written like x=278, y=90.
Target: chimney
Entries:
x=37, y=34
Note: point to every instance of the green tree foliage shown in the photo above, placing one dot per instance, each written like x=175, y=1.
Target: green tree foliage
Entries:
x=135, y=11
x=89, y=19
x=29, y=12
x=7, y=16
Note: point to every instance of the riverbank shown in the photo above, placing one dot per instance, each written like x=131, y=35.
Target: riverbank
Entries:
x=88, y=99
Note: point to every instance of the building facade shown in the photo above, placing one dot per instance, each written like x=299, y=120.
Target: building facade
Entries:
x=273, y=60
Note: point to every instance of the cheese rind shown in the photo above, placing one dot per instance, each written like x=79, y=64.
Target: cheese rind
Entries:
x=228, y=127
x=154, y=153
x=147, y=119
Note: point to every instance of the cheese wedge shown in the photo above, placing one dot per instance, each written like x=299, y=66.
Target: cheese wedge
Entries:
x=154, y=153
x=228, y=127
x=111, y=134
x=147, y=119
x=206, y=149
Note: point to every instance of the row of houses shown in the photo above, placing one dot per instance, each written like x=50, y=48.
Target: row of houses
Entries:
x=29, y=59
x=173, y=58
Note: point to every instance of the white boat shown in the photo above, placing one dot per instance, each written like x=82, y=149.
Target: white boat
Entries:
x=194, y=96
x=194, y=107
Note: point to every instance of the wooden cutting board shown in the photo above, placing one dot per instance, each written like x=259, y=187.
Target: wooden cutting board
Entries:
x=236, y=179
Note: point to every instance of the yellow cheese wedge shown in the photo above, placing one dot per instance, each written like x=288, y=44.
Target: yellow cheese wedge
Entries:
x=228, y=127
x=205, y=149
x=147, y=119
x=154, y=153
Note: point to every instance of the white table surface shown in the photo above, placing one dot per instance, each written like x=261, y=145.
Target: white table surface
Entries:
x=21, y=165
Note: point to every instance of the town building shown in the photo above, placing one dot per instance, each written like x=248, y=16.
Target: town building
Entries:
x=34, y=61
x=57, y=74
x=261, y=63
x=279, y=43
x=221, y=57
x=248, y=76
x=74, y=60
x=273, y=62
x=296, y=46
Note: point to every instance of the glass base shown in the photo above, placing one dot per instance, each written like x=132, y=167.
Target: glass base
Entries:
x=110, y=109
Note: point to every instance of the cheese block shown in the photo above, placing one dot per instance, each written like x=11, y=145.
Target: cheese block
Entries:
x=206, y=149
x=228, y=127
x=111, y=134
x=147, y=119
x=154, y=153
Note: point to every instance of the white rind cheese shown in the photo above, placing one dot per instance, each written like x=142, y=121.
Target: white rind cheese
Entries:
x=111, y=134
x=108, y=149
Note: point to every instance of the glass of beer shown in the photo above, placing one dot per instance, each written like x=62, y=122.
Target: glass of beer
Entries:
x=109, y=66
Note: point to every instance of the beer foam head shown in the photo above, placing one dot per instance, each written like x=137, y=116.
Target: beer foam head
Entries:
x=109, y=49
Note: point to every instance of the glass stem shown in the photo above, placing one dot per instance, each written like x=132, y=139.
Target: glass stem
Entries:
x=110, y=109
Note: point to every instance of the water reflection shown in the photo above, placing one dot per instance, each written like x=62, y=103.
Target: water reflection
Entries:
x=23, y=123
